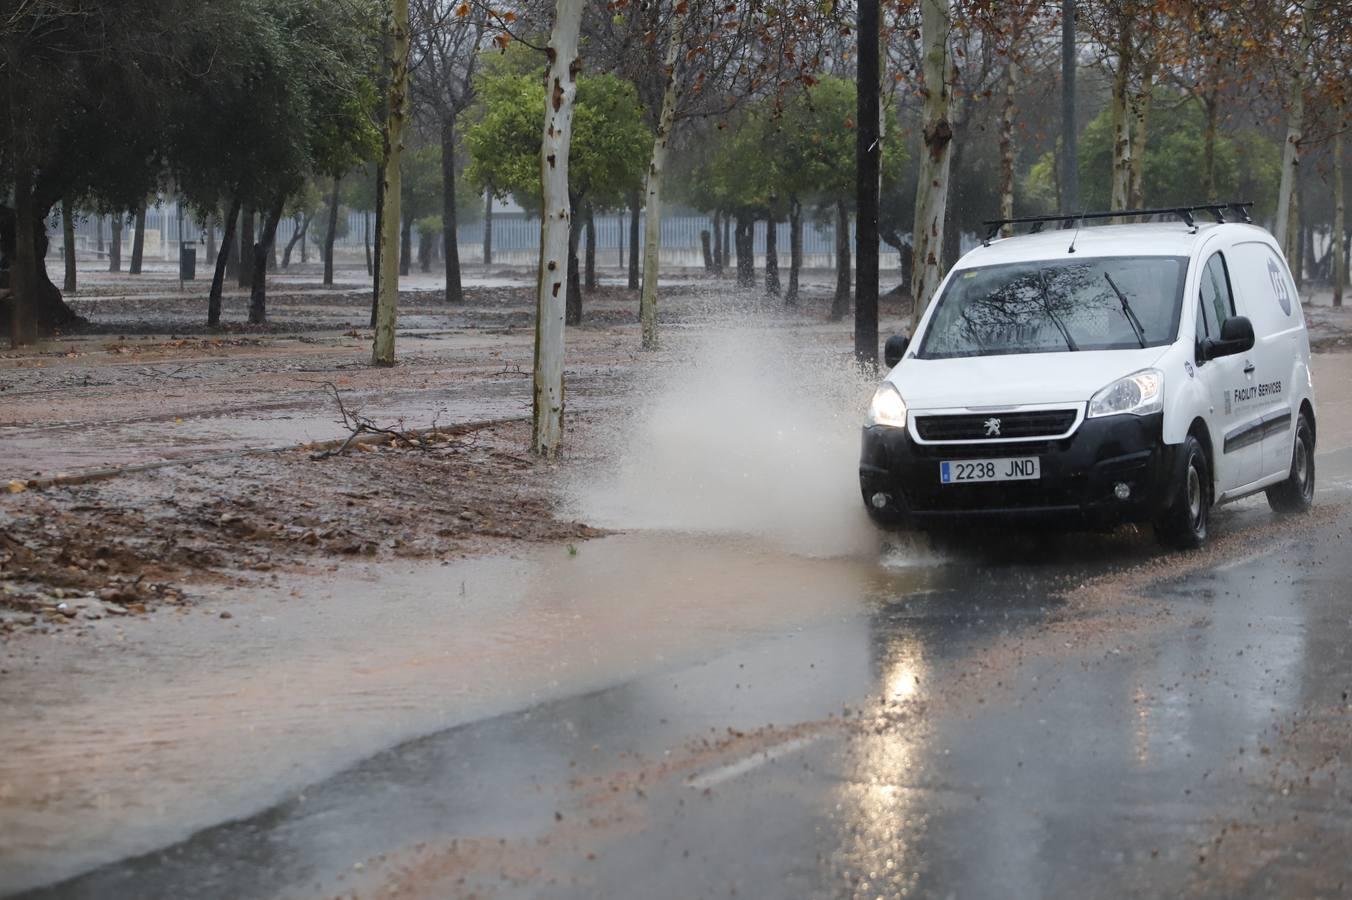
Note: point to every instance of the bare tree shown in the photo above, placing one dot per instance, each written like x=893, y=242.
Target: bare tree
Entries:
x=387, y=290
x=656, y=170
x=447, y=38
x=931, y=202
x=555, y=227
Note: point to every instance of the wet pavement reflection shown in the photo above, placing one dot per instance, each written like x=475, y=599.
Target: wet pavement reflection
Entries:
x=982, y=716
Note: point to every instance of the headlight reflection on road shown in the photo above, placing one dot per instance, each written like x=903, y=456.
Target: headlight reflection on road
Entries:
x=880, y=810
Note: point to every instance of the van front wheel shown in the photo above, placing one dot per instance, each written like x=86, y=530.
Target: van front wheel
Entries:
x=1183, y=524
x=1296, y=493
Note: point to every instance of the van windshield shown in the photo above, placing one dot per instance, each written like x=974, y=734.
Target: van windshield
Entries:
x=1051, y=306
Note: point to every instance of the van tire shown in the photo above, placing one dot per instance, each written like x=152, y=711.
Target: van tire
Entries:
x=1183, y=523
x=1296, y=493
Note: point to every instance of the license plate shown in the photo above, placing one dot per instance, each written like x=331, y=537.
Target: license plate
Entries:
x=966, y=471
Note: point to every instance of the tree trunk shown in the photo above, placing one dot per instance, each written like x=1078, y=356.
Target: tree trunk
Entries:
x=68, y=240
x=706, y=249
x=450, y=232
x=222, y=264
x=246, y=242
x=1339, y=217
x=406, y=247
x=1211, y=107
x=262, y=252
x=36, y=306
x=302, y=221
x=331, y=236
x=795, y=249
x=573, y=307
x=424, y=251
x=1067, y=174
x=591, y=248
x=772, y=286
x=1140, y=111
x=952, y=230
x=370, y=263
x=382, y=353
x=1121, y=119
x=868, y=174
x=634, y=200
x=657, y=171
x=1295, y=126
x=840, y=303
x=488, y=227
x=138, y=240
x=98, y=235
x=380, y=231
x=931, y=203
x=1294, y=247
x=210, y=228
x=728, y=249
x=555, y=237
x=232, y=258
x=23, y=261
x=719, y=250
x=746, y=250
x=115, y=245
x=1007, y=150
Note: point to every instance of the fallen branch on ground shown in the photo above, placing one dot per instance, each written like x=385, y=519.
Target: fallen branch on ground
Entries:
x=358, y=425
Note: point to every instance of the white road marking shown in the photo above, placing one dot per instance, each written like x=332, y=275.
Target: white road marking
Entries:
x=1247, y=558
x=755, y=760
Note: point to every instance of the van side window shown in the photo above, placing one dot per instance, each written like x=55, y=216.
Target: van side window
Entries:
x=1217, y=302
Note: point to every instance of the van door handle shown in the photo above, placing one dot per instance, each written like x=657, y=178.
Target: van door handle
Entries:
x=1248, y=369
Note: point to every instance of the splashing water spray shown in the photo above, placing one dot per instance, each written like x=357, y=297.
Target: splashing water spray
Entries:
x=748, y=429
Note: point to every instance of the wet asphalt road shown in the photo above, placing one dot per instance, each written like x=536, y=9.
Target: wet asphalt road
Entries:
x=1012, y=723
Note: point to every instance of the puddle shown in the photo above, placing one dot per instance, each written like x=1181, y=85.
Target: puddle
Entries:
x=173, y=722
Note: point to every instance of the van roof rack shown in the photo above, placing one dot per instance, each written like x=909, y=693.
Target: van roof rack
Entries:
x=1216, y=210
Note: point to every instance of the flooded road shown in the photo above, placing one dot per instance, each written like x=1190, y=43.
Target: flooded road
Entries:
x=703, y=715
x=748, y=691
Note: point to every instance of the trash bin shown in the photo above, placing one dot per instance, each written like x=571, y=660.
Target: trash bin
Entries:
x=187, y=263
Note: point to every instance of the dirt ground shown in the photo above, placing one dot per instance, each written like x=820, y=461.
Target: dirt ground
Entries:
x=147, y=454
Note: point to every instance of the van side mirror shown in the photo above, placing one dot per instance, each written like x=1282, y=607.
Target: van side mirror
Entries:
x=895, y=349
x=1236, y=337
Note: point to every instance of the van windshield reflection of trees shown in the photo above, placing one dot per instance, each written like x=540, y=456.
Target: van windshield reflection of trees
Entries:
x=1053, y=307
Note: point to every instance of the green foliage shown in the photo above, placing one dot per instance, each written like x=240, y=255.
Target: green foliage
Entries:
x=1258, y=163
x=610, y=149
x=289, y=95
x=421, y=180
x=1174, y=161
x=805, y=149
x=813, y=143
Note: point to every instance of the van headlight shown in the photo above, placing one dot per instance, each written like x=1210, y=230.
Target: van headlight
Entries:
x=887, y=407
x=1139, y=394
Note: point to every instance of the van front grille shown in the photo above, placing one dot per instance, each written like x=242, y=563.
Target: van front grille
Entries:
x=983, y=427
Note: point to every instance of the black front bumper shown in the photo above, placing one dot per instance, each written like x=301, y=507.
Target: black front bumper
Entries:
x=1079, y=475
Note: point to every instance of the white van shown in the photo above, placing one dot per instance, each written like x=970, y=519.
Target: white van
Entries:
x=1100, y=375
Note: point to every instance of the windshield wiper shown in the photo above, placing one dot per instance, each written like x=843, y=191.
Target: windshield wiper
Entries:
x=1051, y=313
x=1127, y=310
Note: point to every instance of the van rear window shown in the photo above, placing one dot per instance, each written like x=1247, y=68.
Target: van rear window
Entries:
x=1051, y=306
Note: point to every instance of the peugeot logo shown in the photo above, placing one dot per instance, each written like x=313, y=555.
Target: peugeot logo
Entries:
x=992, y=428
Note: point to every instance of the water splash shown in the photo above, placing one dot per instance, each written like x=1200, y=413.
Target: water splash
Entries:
x=739, y=429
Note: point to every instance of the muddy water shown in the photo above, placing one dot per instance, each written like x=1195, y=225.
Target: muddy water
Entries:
x=171, y=723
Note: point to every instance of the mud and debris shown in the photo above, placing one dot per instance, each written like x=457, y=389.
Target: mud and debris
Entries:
x=136, y=542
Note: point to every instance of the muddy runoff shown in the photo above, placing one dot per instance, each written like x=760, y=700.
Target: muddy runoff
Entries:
x=725, y=479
